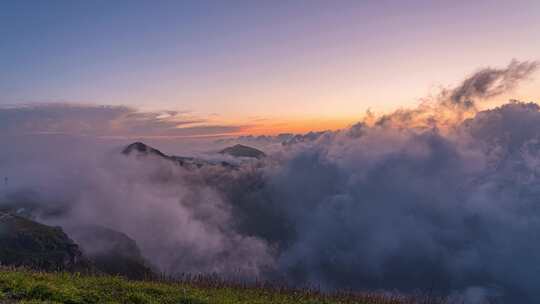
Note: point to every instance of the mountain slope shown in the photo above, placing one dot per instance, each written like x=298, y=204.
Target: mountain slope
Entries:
x=112, y=252
x=26, y=243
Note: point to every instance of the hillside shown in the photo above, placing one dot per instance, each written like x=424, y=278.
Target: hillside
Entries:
x=95, y=249
x=24, y=286
x=112, y=252
x=27, y=243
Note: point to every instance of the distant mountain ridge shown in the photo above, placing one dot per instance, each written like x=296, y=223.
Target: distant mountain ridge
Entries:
x=243, y=151
x=141, y=149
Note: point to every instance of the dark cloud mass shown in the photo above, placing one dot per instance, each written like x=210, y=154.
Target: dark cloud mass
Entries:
x=490, y=82
x=427, y=198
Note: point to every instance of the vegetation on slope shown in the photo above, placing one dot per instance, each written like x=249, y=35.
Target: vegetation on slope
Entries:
x=27, y=243
x=24, y=242
x=25, y=286
x=112, y=252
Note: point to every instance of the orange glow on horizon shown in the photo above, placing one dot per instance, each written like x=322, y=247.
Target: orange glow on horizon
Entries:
x=297, y=126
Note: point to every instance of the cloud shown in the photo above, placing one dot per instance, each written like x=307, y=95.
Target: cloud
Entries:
x=490, y=82
x=440, y=197
x=453, y=105
x=86, y=120
x=406, y=209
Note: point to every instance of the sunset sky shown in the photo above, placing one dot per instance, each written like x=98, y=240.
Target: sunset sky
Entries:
x=266, y=66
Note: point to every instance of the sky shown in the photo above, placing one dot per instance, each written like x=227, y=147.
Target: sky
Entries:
x=253, y=66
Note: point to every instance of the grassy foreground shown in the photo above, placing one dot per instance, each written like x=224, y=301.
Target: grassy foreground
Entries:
x=25, y=286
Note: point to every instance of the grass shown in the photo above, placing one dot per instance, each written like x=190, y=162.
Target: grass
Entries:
x=26, y=286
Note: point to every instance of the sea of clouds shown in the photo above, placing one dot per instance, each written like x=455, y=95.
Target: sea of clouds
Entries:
x=442, y=197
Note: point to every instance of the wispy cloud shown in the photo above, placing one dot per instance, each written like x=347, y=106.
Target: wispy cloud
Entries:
x=490, y=82
x=89, y=120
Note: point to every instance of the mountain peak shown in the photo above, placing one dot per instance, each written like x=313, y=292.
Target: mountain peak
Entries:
x=141, y=148
x=243, y=151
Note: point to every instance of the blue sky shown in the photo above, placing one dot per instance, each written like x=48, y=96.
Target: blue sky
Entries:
x=297, y=62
